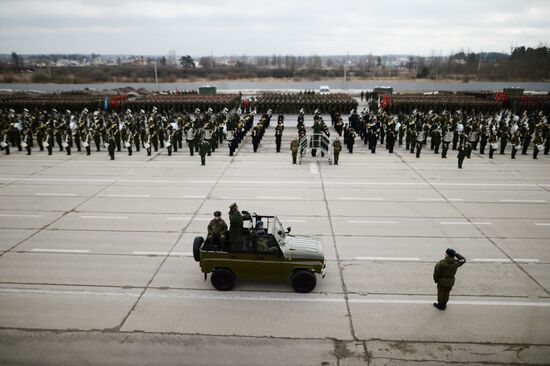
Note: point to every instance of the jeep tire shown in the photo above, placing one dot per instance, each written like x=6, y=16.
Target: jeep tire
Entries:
x=222, y=279
x=197, y=243
x=303, y=281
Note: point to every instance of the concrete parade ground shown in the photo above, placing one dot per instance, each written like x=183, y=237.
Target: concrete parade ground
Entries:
x=96, y=265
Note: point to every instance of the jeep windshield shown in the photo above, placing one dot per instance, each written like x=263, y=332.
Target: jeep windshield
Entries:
x=278, y=231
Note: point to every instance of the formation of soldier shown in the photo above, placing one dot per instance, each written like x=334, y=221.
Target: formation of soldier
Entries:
x=309, y=102
x=459, y=131
x=205, y=131
x=151, y=131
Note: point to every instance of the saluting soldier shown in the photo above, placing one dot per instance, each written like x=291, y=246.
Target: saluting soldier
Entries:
x=444, y=276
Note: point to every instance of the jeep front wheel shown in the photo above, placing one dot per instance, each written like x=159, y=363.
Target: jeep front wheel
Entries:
x=197, y=248
x=222, y=279
x=303, y=281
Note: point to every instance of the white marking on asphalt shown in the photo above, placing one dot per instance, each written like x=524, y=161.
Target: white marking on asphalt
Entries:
x=129, y=195
x=18, y=215
x=455, y=199
x=181, y=254
x=202, y=219
x=431, y=199
x=361, y=198
x=455, y=302
x=242, y=297
x=523, y=201
x=295, y=220
x=202, y=197
x=313, y=168
x=371, y=222
x=465, y=223
x=528, y=260
x=55, y=194
x=178, y=218
x=399, y=259
x=491, y=260
x=104, y=217
x=278, y=198
x=149, y=253
x=542, y=224
x=77, y=251
x=66, y=292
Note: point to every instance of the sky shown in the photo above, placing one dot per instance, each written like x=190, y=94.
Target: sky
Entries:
x=266, y=27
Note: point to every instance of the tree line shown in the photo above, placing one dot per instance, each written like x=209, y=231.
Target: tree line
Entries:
x=522, y=64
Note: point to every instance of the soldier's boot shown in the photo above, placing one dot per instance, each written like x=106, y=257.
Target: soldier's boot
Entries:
x=439, y=306
x=513, y=153
x=28, y=148
x=203, y=160
x=68, y=151
x=535, y=152
x=491, y=152
x=88, y=150
x=129, y=151
x=148, y=151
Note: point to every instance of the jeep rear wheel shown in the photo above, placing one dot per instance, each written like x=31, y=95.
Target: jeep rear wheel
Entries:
x=303, y=281
x=197, y=243
x=222, y=279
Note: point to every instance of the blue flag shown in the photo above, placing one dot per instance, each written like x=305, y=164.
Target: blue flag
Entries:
x=107, y=103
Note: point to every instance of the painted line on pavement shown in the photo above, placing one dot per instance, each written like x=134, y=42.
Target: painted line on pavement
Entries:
x=542, y=223
x=242, y=297
x=431, y=199
x=399, y=259
x=491, y=260
x=455, y=199
x=149, y=253
x=465, y=223
x=44, y=250
x=523, y=201
x=56, y=194
x=295, y=220
x=372, y=222
x=104, y=217
x=361, y=198
x=201, y=197
x=279, y=198
x=202, y=219
x=178, y=218
x=19, y=215
x=527, y=260
x=129, y=195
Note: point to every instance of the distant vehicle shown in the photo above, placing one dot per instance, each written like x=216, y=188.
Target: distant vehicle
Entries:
x=263, y=254
x=324, y=90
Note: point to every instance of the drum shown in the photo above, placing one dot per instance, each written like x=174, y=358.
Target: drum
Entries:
x=448, y=136
x=420, y=136
x=494, y=145
x=229, y=136
x=473, y=136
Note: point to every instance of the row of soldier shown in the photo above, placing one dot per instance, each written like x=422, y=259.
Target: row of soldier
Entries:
x=204, y=132
x=455, y=130
x=151, y=130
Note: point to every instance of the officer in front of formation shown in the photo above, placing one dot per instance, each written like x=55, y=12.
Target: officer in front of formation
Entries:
x=337, y=145
x=294, y=149
x=444, y=276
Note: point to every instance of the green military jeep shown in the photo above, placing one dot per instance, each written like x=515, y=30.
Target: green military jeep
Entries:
x=270, y=253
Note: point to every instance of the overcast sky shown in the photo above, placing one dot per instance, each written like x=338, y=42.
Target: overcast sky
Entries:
x=266, y=27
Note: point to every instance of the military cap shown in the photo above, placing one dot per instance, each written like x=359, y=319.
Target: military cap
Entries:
x=233, y=205
x=450, y=252
x=217, y=213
